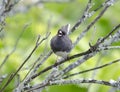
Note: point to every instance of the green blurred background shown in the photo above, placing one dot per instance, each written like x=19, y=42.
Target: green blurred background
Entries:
x=50, y=17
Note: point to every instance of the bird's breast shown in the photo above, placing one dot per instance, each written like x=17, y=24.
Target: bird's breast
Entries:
x=62, y=54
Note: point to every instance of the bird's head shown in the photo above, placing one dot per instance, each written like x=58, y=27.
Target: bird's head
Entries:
x=64, y=30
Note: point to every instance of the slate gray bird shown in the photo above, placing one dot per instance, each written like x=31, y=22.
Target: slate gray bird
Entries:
x=61, y=44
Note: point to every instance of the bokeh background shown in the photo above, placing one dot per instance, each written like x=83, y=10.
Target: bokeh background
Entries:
x=49, y=17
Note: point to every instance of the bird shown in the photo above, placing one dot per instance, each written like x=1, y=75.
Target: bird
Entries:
x=61, y=44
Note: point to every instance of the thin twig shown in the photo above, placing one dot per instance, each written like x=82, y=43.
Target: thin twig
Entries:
x=90, y=25
x=85, y=13
x=114, y=29
x=92, y=69
x=36, y=46
x=82, y=18
x=33, y=65
x=36, y=67
x=94, y=73
x=15, y=46
x=6, y=7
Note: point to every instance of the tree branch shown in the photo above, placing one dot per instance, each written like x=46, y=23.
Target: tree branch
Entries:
x=92, y=69
x=36, y=46
x=15, y=46
x=111, y=83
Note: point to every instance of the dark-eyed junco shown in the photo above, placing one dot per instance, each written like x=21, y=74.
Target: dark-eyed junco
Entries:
x=61, y=44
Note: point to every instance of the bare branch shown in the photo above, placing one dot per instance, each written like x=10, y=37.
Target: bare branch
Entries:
x=81, y=35
x=111, y=83
x=88, y=14
x=37, y=67
x=92, y=69
x=36, y=46
x=108, y=35
x=6, y=7
x=83, y=16
x=15, y=46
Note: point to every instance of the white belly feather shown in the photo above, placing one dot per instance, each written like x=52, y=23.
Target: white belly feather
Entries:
x=62, y=54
